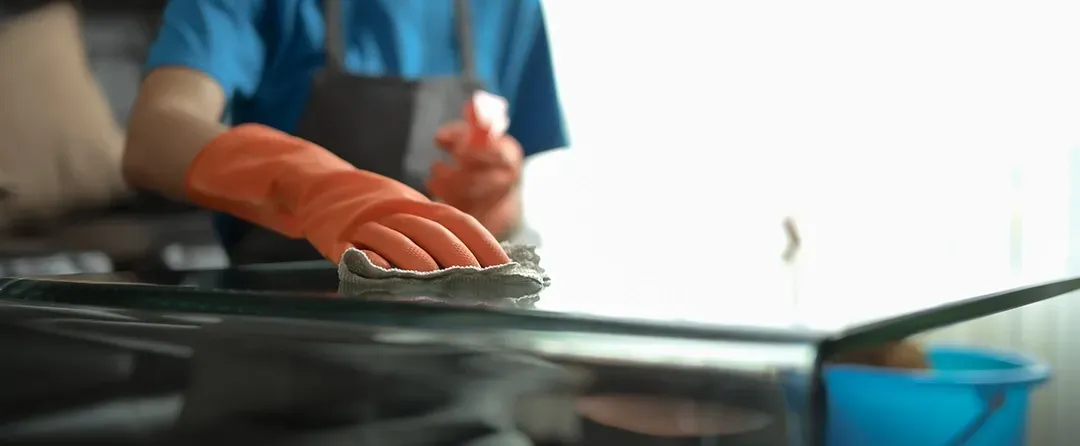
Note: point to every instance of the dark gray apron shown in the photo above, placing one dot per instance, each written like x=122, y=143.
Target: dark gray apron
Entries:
x=384, y=125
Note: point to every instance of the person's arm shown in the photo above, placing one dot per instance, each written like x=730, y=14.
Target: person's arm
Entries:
x=209, y=51
x=206, y=52
x=176, y=114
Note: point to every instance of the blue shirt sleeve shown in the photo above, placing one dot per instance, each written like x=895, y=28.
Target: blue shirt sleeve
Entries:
x=217, y=37
x=536, y=118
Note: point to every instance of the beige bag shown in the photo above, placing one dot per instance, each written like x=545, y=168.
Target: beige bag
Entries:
x=60, y=147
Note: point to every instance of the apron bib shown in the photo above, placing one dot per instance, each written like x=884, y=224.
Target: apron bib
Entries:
x=384, y=125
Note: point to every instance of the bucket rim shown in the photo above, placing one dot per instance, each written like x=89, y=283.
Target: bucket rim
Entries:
x=1027, y=370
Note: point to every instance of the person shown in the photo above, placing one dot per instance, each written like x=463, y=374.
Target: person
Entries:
x=398, y=127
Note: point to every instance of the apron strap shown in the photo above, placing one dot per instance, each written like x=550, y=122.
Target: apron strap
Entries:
x=335, y=38
x=465, y=41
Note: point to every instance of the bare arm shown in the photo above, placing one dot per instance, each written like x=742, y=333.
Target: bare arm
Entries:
x=177, y=112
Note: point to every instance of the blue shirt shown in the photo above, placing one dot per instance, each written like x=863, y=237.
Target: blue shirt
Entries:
x=265, y=53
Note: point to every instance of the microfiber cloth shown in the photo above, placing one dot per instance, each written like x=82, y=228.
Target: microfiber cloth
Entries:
x=521, y=280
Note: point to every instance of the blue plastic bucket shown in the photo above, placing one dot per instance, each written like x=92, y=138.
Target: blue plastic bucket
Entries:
x=970, y=397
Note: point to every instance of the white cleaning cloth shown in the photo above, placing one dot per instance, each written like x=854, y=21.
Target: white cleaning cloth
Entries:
x=521, y=279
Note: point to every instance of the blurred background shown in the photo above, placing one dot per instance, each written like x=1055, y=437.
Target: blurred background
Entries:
x=926, y=150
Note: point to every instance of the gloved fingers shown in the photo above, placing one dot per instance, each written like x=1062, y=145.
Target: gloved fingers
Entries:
x=439, y=242
x=501, y=152
x=457, y=184
x=498, y=216
x=440, y=182
x=376, y=259
x=485, y=185
x=442, y=169
x=451, y=137
x=445, y=192
x=505, y=153
x=394, y=247
x=338, y=250
x=467, y=229
x=483, y=208
x=483, y=245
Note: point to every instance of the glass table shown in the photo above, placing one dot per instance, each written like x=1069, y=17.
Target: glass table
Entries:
x=273, y=354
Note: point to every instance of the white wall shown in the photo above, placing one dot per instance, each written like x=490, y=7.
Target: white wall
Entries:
x=926, y=147
x=896, y=135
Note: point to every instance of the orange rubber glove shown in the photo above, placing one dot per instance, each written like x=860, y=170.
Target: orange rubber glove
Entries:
x=299, y=189
x=486, y=170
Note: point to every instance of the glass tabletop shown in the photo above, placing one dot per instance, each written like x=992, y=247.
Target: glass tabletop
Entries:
x=581, y=322
x=311, y=288
x=899, y=306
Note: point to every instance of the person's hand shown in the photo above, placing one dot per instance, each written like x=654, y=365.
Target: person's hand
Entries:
x=299, y=189
x=399, y=230
x=482, y=178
